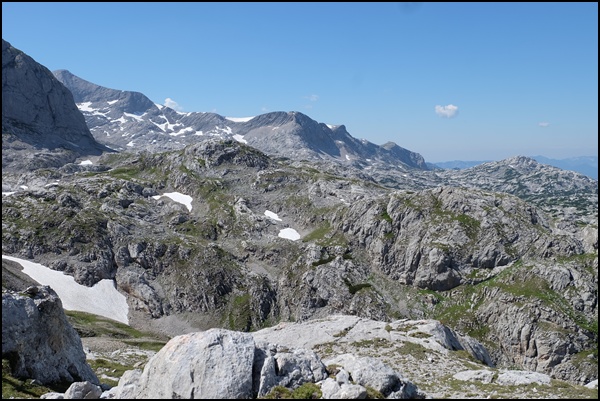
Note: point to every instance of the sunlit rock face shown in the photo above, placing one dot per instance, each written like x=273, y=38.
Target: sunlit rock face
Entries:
x=38, y=112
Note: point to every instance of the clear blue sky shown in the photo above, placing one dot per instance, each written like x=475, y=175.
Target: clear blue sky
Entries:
x=451, y=81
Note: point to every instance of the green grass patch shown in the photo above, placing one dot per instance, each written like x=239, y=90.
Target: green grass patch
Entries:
x=307, y=391
x=319, y=233
x=376, y=343
x=373, y=394
x=109, y=368
x=239, y=316
x=385, y=216
x=323, y=261
x=469, y=224
x=417, y=351
x=146, y=344
x=419, y=334
x=354, y=288
x=324, y=236
x=99, y=325
x=15, y=388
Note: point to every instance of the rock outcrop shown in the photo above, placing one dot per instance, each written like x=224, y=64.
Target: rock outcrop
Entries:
x=339, y=357
x=39, y=342
x=221, y=364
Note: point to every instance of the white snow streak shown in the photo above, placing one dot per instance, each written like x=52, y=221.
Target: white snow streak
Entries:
x=102, y=299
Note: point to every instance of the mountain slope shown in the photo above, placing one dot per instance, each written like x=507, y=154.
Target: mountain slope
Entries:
x=41, y=126
x=586, y=165
x=362, y=249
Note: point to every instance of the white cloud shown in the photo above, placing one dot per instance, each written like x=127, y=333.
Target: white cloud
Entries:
x=543, y=124
x=448, y=111
x=312, y=99
x=173, y=104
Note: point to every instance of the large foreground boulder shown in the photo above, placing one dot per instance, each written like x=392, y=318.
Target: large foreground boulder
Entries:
x=212, y=364
x=220, y=363
x=38, y=340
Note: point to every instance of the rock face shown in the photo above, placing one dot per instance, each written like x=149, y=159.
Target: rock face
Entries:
x=41, y=125
x=213, y=364
x=223, y=364
x=369, y=371
x=220, y=364
x=39, y=342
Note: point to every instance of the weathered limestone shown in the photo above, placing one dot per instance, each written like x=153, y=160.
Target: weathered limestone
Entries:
x=38, y=340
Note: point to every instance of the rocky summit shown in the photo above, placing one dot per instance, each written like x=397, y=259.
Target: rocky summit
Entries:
x=41, y=125
x=278, y=254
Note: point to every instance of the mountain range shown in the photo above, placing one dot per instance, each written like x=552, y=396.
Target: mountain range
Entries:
x=129, y=120
x=204, y=221
x=587, y=165
x=122, y=119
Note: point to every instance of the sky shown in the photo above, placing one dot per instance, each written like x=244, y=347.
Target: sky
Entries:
x=450, y=81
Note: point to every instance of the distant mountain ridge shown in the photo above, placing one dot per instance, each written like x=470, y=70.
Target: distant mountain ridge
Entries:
x=126, y=120
x=586, y=165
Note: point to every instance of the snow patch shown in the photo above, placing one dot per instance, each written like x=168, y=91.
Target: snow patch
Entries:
x=85, y=106
x=139, y=118
x=239, y=138
x=289, y=233
x=239, y=119
x=102, y=299
x=183, y=131
x=272, y=215
x=178, y=197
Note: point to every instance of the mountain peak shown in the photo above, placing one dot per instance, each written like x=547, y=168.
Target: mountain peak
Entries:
x=41, y=114
x=521, y=160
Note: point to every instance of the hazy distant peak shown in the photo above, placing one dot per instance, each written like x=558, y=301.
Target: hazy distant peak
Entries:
x=521, y=160
x=389, y=145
